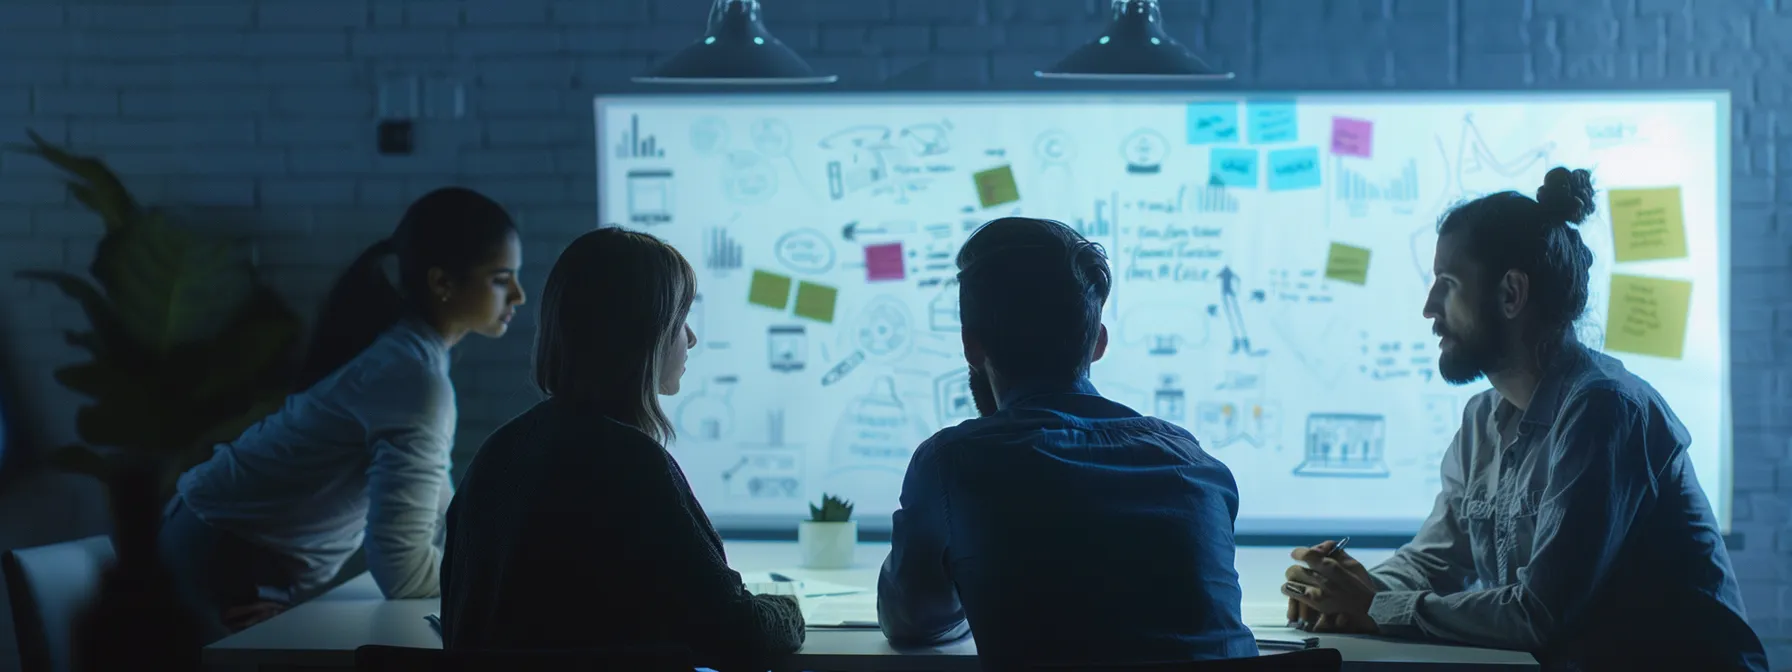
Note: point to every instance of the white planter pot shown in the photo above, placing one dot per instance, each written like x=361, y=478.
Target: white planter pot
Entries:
x=827, y=545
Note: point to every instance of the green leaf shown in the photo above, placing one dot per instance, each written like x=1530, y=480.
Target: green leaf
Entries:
x=168, y=286
x=99, y=310
x=92, y=182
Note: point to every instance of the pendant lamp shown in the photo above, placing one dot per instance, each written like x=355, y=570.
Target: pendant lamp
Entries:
x=1134, y=47
x=735, y=50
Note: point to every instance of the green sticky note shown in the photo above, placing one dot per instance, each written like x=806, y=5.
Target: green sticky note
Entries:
x=769, y=289
x=816, y=302
x=1347, y=263
x=1648, y=316
x=996, y=187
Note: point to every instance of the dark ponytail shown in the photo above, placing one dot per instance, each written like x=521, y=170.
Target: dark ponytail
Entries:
x=1539, y=237
x=361, y=305
x=453, y=229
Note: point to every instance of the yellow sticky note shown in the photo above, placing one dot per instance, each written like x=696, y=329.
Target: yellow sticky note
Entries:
x=996, y=187
x=1648, y=316
x=1648, y=224
x=816, y=302
x=1348, y=263
x=769, y=289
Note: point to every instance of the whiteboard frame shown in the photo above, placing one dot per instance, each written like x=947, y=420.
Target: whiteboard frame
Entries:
x=1377, y=532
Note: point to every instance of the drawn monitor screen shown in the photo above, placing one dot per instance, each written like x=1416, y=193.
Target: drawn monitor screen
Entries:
x=1271, y=255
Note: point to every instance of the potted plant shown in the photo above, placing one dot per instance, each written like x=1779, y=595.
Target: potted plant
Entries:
x=188, y=347
x=829, y=536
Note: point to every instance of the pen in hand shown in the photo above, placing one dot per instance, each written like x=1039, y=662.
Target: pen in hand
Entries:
x=1296, y=623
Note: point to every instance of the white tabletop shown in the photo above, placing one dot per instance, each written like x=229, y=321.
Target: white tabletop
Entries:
x=326, y=631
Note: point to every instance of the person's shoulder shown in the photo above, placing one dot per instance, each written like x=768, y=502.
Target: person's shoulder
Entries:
x=1601, y=383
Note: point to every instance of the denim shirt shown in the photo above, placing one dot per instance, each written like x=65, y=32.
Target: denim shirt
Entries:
x=1574, y=529
x=363, y=453
x=1066, y=528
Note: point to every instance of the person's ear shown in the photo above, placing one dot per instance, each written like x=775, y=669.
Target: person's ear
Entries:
x=440, y=287
x=973, y=350
x=1101, y=344
x=1515, y=293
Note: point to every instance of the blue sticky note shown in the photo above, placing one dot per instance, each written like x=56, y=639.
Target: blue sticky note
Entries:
x=1296, y=168
x=1232, y=167
x=1213, y=123
x=1273, y=121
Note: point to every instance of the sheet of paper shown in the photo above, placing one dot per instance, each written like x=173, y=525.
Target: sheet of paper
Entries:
x=858, y=608
x=1213, y=123
x=761, y=583
x=1647, y=224
x=1353, y=137
x=996, y=187
x=769, y=289
x=1231, y=167
x=1648, y=316
x=1296, y=168
x=1273, y=121
x=1347, y=263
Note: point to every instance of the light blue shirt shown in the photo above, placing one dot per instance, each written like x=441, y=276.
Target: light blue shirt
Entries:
x=363, y=454
x=1066, y=528
x=1573, y=529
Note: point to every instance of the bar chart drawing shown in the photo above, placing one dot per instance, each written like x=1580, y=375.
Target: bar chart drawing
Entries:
x=1215, y=199
x=633, y=146
x=721, y=251
x=1354, y=188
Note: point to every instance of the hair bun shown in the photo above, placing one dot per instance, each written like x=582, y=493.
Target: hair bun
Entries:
x=1567, y=195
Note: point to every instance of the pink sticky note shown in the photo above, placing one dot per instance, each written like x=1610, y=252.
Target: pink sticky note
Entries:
x=884, y=262
x=1352, y=137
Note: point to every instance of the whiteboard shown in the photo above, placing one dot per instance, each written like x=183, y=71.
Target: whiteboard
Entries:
x=1272, y=254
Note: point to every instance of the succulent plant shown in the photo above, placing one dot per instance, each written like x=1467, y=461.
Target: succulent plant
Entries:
x=832, y=510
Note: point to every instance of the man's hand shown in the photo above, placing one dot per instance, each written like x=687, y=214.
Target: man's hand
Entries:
x=1329, y=594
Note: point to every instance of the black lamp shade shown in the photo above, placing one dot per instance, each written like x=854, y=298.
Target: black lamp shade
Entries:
x=1134, y=47
x=736, y=49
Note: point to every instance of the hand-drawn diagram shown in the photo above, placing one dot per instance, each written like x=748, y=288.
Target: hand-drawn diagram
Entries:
x=845, y=366
x=1170, y=402
x=884, y=329
x=748, y=179
x=1229, y=303
x=787, y=347
x=1473, y=170
x=928, y=139
x=876, y=430
x=1055, y=148
x=942, y=309
x=1145, y=151
x=805, y=251
x=869, y=159
x=1345, y=445
x=709, y=135
x=1358, y=191
x=1164, y=329
x=765, y=475
x=633, y=146
x=1395, y=359
x=709, y=414
x=771, y=137
x=1222, y=424
x=952, y=401
x=721, y=252
x=650, y=196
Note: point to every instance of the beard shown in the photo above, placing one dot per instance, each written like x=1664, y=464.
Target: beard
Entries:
x=1476, y=353
x=982, y=394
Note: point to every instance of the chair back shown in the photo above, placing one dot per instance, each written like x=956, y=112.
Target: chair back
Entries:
x=48, y=587
x=1307, y=660
x=380, y=658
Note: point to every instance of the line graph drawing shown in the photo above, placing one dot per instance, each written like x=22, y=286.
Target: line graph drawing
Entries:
x=1474, y=170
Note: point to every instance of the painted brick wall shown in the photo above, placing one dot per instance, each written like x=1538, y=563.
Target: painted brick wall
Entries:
x=255, y=117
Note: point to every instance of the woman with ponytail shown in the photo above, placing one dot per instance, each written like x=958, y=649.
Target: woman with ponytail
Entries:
x=361, y=451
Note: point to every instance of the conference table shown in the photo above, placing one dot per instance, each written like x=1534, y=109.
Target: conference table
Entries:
x=322, y=634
